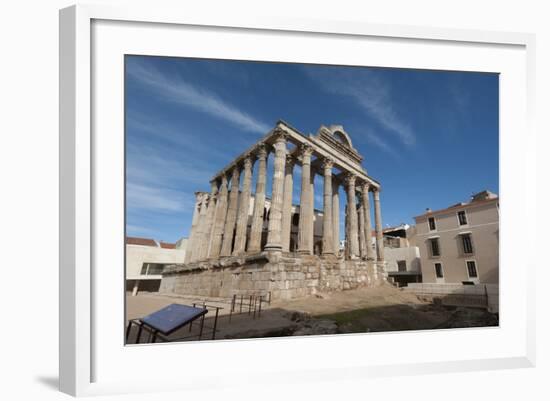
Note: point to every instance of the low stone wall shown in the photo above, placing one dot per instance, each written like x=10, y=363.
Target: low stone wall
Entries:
x=285, y=277
x=478, y=295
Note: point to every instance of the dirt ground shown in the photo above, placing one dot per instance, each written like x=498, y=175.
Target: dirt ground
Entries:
x=377, y=309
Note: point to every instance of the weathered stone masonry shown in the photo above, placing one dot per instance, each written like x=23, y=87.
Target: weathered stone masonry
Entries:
x=235, y=251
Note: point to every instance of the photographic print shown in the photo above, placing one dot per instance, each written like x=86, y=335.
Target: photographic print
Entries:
x=269, y=199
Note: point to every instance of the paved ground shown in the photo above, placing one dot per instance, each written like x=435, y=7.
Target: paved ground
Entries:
x=383, y=308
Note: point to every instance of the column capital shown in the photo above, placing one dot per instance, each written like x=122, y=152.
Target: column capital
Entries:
x=199, y=196
x=213, y=186
x=327, y=163
x=280, y=135
x=261, y=151
x=290, y=161
x=375, y=190
x=248, y=160
x=235, y=171
x=350, y=179
x=305, y=149
x=224, y=179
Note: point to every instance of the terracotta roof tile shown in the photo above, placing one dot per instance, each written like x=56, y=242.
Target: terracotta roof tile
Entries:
x=141, y=241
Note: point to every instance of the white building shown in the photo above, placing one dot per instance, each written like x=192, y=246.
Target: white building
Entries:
x=402, y=255
x=145, y=260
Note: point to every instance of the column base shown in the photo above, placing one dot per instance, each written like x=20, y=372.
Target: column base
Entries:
x=273, y=247
x=305, y=252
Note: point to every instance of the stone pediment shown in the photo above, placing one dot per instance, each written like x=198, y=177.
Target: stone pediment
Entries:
x=335, y=138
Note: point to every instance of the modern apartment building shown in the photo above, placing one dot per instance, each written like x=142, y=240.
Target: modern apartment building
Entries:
x=460, y=244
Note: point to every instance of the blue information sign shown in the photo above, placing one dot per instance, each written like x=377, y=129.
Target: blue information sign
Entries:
x=173, y=317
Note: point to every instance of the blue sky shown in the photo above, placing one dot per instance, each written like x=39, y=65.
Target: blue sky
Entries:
x=429, y=137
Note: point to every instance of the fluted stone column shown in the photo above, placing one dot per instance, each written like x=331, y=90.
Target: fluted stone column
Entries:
x=368, y=225
x=201, y=228
x=346, y=230
x=328, y=239
x=336, y=217
x=193, y=231
x=205, y=243
x=286, y=224
x=219, y=220
x=353, y=239
x=255, y=240
x=231, y=216
x=378, y=223
x=305, y=226
x=274, y=235
x=361, y=216
x=244, y=208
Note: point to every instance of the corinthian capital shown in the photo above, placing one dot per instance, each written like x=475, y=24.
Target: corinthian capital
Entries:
x=247, y=162
x=290, y=160
x=261, y=151
x=224, y=180
x=305, y=150
x=328, y=163
x=350, y=179
x=280, y=135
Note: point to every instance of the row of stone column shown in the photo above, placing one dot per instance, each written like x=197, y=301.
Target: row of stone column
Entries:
x=220, y=219
x=358, y=227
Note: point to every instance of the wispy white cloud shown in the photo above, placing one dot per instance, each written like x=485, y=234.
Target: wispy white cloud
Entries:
x=132, y=228
x=173, y=134
x=156, y=182
x=381, y=144
x=140, y=197
x=154, y=167
x=175, y=89
x=370, y=92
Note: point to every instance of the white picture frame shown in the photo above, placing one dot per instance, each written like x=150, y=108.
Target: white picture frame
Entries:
x=82, y=344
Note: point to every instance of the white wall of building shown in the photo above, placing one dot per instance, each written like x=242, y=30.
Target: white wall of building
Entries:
x=409, y=254
x=137, y=255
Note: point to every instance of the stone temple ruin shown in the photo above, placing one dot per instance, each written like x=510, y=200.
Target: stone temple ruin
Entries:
x=242, y=243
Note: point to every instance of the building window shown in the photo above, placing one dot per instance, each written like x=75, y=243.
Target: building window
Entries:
x=438, y=270
x=151, y=269
x=401, y=265
x=434, y=245
x=431, y=223
x=462, y=218
x=467, y=244
x=472, y=269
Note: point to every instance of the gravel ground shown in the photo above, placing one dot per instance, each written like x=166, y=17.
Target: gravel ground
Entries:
x=384, y=308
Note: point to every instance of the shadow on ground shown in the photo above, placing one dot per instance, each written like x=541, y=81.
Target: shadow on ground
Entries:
x=49, y=381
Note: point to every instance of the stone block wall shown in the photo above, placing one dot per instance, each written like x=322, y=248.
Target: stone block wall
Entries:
x=285, y=277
